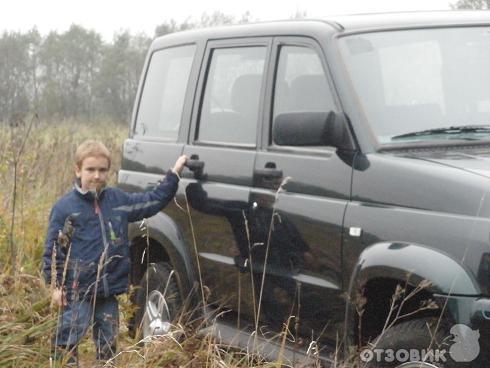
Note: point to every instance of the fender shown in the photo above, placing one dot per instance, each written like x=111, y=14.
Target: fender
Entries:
x=164, y=230
x=412, y=263
x=399, y=261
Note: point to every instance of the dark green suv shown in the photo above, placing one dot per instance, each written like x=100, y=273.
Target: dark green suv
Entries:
x=337, y=184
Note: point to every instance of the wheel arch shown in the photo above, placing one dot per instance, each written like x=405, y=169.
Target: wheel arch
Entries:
x=165, y=243
x=383, y=266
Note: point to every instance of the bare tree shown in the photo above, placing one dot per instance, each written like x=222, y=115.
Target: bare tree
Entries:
x=471, y=4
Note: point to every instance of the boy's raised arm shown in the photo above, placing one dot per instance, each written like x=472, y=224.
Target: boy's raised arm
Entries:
x=144, y=205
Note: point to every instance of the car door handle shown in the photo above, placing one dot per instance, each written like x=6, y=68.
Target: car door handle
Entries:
x=194, y=165
x=269, y=172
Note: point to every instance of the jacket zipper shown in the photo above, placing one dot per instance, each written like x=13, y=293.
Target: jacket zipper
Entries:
x=106, y=246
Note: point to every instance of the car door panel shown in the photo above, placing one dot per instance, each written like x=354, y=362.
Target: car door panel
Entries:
x=223, y=141
x=299, y=209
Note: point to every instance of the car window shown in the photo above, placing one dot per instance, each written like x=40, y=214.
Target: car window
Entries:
x=230, y=107
x=162, y=99
x=301, y=83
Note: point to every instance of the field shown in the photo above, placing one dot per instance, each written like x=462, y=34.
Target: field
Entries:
x=36, y=168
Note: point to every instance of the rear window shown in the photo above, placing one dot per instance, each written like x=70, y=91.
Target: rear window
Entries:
x=230, y=108
x=162, y=99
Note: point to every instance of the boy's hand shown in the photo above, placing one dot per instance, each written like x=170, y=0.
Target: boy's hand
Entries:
x=179, y=164
x=58, y=298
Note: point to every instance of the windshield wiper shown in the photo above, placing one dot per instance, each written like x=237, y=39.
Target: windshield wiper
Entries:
x=448, y=130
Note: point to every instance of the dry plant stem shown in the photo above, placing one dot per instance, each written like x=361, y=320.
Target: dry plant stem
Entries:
x=17, y=157
x=263, y=281
x=208, y=342
x=399, y=291
x=239, y=298
x=99, y=270
x=298, y=316
x=337, y=350
x=65, y=267
x=147, y=255
x=54, y=276
x=284, y=334
x=185, y=308
x=247, y=230
x=264, y=270
x=196, y=254
x=387, y=324
x=359, y=326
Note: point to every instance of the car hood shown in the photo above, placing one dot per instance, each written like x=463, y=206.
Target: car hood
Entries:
x=451, y=180
x=473, y=161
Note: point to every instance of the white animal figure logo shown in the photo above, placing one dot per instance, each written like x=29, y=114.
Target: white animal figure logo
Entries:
x=466, y=347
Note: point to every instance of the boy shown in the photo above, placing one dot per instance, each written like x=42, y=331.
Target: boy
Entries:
x=87, y=240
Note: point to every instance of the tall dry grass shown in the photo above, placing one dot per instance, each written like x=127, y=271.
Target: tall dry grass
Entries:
x=45, y=171
x=36, y=168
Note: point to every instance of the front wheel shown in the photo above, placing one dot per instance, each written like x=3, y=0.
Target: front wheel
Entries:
x=157, y=299
x=410, y=344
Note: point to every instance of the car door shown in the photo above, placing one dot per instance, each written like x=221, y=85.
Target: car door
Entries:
x=159, y=132
x=160, y=117
x=222, y=150
x=299, y=199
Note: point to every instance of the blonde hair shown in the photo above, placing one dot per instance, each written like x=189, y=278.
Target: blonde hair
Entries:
x=91, y=148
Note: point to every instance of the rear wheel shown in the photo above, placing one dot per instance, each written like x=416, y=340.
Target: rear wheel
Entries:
x=158, y=300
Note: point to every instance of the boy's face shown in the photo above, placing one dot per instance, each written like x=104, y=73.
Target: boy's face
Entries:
x=93, y=173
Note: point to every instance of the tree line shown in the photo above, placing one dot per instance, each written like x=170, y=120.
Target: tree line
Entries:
x=75, y=75
x=471, y=4
x=70, y=75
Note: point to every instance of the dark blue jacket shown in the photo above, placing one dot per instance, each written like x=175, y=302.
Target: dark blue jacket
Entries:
x=99, y=244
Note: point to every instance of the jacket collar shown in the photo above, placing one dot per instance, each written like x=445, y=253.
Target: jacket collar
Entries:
x=87, y=194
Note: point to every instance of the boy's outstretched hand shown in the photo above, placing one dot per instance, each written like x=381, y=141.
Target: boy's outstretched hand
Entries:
x=179, y=164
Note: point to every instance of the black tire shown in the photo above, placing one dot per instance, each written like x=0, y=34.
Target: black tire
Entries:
x=417, y=334
x=159, y=281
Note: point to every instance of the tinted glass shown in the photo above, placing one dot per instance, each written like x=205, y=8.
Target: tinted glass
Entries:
x=301, y=83
x=162, y=100
x=230, y=107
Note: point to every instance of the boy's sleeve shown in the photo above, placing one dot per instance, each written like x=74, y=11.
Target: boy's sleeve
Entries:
x=56, y=221
x=147, y=204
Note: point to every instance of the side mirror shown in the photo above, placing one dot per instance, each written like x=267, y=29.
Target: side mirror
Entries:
x=312, y=129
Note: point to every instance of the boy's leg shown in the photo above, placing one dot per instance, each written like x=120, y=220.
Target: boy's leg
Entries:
x=106, y=327
x=72, y=326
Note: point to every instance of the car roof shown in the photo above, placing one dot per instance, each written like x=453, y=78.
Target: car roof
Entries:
x=380, y=21
x=334, y=24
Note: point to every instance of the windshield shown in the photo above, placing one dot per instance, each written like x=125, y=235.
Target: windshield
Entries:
x=426, y=80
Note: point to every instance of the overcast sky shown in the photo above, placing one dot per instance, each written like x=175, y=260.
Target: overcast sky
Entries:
x=109, y=16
